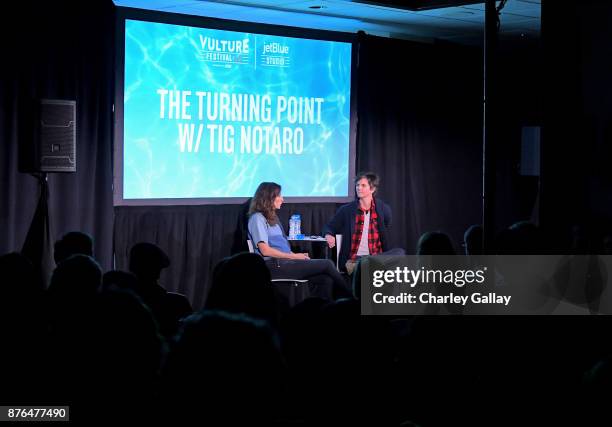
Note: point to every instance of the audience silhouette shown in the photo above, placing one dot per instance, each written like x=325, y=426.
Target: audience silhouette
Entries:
x=72, y=243
x=241, y=284
x=225, y=366
x=146, y=263
x=120, y=346
x=434, y=243
x=472, y=240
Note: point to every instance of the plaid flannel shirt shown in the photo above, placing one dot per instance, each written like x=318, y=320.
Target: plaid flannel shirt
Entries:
x=374, y=244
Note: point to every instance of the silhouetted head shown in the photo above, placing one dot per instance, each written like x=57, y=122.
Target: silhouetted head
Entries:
x=225, y=365
x=435, y=243
x=472, y=239
x=147, y=261
x=72, y=243
x=241, y=284
x=266, y=201
x=128, y=340
x=77, y=279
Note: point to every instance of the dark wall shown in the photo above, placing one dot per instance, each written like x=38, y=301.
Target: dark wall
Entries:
x=577, y=182
x=519, y=93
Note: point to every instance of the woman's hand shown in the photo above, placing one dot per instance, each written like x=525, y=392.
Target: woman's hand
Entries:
x=300, y=256
x=331, y=240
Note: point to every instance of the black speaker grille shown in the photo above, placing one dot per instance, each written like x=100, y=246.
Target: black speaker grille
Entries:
x=57, y=135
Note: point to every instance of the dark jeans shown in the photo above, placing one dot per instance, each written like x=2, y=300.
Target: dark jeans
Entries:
x=350, y=265
x=326, y=281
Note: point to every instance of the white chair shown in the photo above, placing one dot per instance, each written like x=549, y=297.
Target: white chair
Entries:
x=288, y=292
x=295, y=282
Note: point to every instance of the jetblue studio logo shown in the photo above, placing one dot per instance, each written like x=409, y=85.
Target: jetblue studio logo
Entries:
x=224, y=52
x=276, y=48
x=275, y=55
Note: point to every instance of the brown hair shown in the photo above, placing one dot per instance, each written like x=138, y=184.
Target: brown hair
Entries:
x=372, y=178
x=263, y=201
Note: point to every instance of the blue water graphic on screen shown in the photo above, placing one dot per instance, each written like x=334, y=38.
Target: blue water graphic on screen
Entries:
x=212, y=113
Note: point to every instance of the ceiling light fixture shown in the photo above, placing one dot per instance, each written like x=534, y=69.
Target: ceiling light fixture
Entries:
x=419, y=5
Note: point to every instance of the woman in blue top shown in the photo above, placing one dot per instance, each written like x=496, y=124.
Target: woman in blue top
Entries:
x=269, y=240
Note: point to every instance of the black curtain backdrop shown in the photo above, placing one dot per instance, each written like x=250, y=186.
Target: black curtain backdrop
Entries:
x=59, y=50
x=419, y=129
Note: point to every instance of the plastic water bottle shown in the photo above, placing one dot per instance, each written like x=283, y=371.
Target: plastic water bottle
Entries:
x=294, y=225
x=298, y=224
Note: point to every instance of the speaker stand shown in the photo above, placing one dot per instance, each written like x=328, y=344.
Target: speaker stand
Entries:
x=38, y=245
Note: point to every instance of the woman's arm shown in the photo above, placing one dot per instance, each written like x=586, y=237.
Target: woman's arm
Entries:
x=267, y=250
